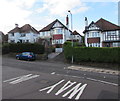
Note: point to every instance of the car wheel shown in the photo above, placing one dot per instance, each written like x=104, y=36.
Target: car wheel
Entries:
x=17, y=58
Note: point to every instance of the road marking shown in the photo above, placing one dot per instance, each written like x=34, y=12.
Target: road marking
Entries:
x=21, y=79
x=114, y=84
x=103, y=81
x=77, y=89
x=53, y=73
x=51, y=87
x=17, y=78
x=66, y=86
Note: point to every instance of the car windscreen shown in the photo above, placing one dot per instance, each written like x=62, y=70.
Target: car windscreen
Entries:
x=26, y=53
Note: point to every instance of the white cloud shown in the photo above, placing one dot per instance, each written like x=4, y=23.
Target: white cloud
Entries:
x=14, y=11
x=60, y=7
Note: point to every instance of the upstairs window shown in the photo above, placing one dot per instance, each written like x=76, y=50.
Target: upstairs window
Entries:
x=23, y=35
x=12, y=34
x=58, y=31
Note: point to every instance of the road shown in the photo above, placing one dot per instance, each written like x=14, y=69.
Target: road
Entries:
x=51, y=80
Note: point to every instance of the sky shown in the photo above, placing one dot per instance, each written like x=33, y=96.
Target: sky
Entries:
x=40, y=13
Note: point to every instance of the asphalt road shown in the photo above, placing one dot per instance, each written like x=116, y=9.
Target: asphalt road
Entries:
x=51, y=80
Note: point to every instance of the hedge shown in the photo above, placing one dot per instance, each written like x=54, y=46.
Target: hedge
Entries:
x=92, y=54
x=23, y=47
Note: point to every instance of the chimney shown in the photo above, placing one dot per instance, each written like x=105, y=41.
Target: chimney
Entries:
x=16, y=25
x=86, y=22
x=67, y=21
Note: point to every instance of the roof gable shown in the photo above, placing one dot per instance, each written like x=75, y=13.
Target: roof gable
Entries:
x=15, y=30
x=24, y=29
x=52, y=25
x=93, y=26
x=106, y=25
x=76, y=33
x=102, y=25
x=28, y=28
x=57, y=24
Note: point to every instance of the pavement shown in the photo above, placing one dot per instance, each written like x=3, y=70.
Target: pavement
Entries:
x=91, y=69
x=52, y=55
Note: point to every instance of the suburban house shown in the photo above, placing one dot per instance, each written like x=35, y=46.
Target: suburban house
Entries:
x=102, y=34
x=77, y=37
x=55, y=33
x=24, y=34
x=1, y=36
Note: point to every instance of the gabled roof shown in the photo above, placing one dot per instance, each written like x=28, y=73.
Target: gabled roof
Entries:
x=1, y=33
x=27, y=28
x=49, y=27
x=106, y=25
x=16, y=29
x=76, y=33
x=24, y=29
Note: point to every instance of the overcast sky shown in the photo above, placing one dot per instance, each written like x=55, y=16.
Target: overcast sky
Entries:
x=40, y=13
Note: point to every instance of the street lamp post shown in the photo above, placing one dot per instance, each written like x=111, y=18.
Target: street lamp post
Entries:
x=71, y=34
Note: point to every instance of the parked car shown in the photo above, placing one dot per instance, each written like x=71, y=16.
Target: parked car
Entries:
x=26, y=56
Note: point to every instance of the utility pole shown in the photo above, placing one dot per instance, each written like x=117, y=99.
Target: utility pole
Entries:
x=71, y=35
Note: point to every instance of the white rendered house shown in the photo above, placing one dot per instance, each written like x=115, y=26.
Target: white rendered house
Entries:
x=25, y=34
x=56, y=33
x=102, y=34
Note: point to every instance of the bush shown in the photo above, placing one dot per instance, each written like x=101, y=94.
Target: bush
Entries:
x=5, y=49
x=23, y=47
x=92, y=54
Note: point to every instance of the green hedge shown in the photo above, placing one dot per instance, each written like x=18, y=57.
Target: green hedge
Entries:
x=92, y=54
x=20, y=47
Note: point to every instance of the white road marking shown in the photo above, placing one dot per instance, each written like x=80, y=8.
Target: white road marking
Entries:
x=53, y=73
x=103, y=81
x=51, y=87
x=114, y=84
x=77, y=89
x=21, y=79
x=17, y=78
x=66, y=86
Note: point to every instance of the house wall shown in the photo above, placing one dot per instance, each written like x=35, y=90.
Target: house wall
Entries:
x=106, y=39
x=29, y=37
x=14, y=37
x=92, y=38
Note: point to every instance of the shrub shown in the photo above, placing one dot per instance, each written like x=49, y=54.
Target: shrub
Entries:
x=24, y=47
x=5, y=49
x=92, y=54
